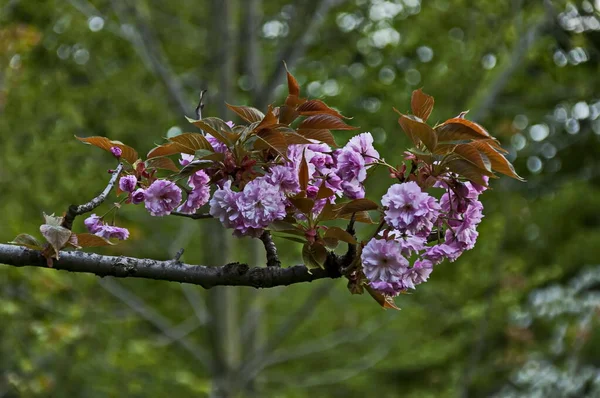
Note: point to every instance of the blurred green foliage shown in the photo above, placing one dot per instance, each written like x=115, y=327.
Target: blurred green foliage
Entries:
x=528, y=72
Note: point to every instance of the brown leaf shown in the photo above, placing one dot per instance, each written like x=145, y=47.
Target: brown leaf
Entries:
x=323, y=122
x=317, y=107
x=294, y=101
x=319, y=135
x=295, y=139
x=498, y=162
x=90, y=240
x=472, y=154
x=191, y=142
x=469, y=171
x=340, y=234
x=293, y=87
x=383, y=300
x=461, y=129
x=217, y=128
x=305, y=205
x=357, y=205
x=287, y=114
x=274, y=139
x=421, y=104
x=128, y=153
x=167, y=149
x=268, y=121
x=324, y=192
x=162, y=163
x=303, y=173
x=416, y=129
x=359, y=216
x=247, y=113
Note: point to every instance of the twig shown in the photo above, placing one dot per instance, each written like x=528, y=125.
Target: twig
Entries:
x=200, y=106
x=196, y=216
x=234, y=274
x=77, y=210
x=178, y=255
x=271, y=249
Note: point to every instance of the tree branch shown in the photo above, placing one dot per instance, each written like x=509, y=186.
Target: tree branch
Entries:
x=271, y=249
x=233, y=274
x=77, y=210
x=196, y=216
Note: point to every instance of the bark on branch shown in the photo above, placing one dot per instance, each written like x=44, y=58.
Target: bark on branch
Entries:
x=77, y=210
x=234, y=274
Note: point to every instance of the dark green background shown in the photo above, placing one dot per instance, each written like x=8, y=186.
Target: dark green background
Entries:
x=527, y=70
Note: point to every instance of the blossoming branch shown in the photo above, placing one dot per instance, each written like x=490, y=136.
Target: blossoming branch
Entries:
x=282, y=172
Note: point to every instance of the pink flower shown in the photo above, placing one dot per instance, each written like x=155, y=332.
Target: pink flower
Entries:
x=418, y=274
x=138, y=196
x=384, y=265
x=285, y=177
x=199, y=195
x=195, y=199
x=162, y=197
x=223, y=206
x=261, y=203
x=198, y=179
x=127, y=183
x=109, y=231
x=409, y=209
x=351, y=165
x=96, y=226
x=93, y=223
x=363, y=144
x=185, y=159
x=116, y=151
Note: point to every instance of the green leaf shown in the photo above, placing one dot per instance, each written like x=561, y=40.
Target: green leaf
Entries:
x=314, y=256
x=27, y=241
x=90, y=240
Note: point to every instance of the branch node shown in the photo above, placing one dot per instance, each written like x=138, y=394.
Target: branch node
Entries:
x=178, y=255
x=271, y=249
